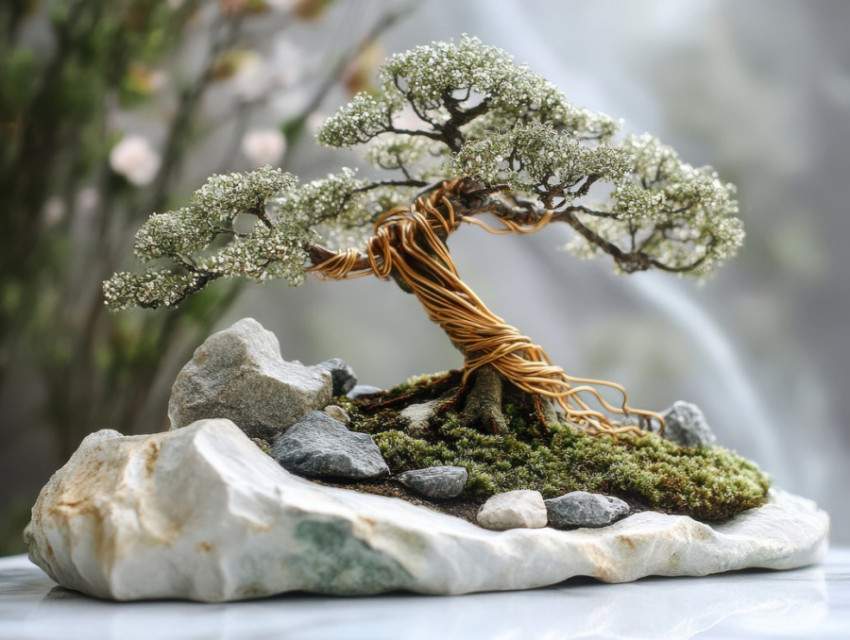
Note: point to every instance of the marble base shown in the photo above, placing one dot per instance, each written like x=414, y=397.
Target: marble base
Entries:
x=811, y=603
x=201, y=513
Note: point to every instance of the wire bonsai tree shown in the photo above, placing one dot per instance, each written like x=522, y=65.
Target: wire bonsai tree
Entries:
x=461, y=135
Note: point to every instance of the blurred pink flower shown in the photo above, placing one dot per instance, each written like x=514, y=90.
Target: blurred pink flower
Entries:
x=53, y=212
x=251, y=76
x=286, y=63
x=85, y=204
x=135, y=159
x=263, y=146
x=282, y=5
x=315, y=121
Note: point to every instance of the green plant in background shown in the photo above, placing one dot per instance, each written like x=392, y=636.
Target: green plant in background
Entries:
x=76, y=181
x=461, y=132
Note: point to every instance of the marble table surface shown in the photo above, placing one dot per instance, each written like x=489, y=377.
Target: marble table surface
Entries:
x=806, y=603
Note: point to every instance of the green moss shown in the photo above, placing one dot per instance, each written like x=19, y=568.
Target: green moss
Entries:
x=410, y=384
x=708, y=483
x=422, y=386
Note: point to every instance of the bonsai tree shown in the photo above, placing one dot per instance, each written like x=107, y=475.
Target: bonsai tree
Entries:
x=460, y=135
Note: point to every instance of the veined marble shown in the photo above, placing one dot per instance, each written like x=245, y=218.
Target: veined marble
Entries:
x=200, y=513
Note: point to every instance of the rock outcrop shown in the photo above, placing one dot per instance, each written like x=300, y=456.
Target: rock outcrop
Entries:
x=240, y=375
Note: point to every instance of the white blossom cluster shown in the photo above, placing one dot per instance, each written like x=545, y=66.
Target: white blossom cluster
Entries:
x=224, y=197
x=152, y=288
x=441, y=80
x=472, y=70
x=335, y=199
x=212, y=210
x=537, y=159
x=264, y=254
x=443, y=111
x=420, y=157
x=633, y=203
x=206, y=240
x=173, y=233
x=360, y=120
x=683, y=218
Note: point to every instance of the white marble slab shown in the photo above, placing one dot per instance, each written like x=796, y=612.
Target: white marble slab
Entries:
x=201, y=513
x=810, y=603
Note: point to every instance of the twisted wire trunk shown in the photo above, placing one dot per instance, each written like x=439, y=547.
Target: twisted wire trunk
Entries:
x=409, y=245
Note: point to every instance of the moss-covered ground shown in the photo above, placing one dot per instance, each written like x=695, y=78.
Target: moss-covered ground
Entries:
x=707, y=483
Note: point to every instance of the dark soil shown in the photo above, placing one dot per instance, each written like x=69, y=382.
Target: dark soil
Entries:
x=464, y=507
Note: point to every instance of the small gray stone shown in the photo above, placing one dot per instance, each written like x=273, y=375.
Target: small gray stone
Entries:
x=344, y=378
x=363, y=390
x=338, y=413
x=686, y=425
x=317, y=446
x=521, y=509
x=437, y=483
x=583, y=509
x=239, y=374
x=418, y=416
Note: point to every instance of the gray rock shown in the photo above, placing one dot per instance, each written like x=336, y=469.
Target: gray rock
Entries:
x=583, y=509
x=521, y=509
x=239, y=374
x=202, y=514
x=344, y=378
x=418, y=416
x=363, y=390
x=686, y=425
x=437, y=483
x=317, y=446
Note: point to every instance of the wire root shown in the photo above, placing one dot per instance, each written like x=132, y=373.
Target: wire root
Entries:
x=408, y=243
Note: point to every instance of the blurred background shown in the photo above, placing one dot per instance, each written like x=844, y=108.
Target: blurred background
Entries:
x=110, y=110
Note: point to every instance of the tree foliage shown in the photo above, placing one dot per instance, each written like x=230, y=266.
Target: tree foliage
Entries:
x=522, y=151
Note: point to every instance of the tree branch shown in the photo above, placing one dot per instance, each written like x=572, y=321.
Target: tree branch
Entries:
x=688, y=267
x=628, y=262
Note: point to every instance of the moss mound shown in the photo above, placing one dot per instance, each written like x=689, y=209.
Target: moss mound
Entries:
x=707, y=483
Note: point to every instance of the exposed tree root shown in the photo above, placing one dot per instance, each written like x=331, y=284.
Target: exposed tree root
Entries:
x=483, y=405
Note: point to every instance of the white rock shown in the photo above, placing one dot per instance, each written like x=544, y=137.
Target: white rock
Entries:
x=201, y=513
x=338, y=413
x=418, y=416
x=239, y=374
x=513, y=510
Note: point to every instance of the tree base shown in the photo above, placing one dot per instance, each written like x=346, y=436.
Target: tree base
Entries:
x=540, y=451
x=486, y=402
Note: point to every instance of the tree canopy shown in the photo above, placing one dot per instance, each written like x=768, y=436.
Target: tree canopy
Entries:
x=443, y=111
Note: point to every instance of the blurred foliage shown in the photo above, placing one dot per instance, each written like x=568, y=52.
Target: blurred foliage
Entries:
x=15, y=518
x=73, y=74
